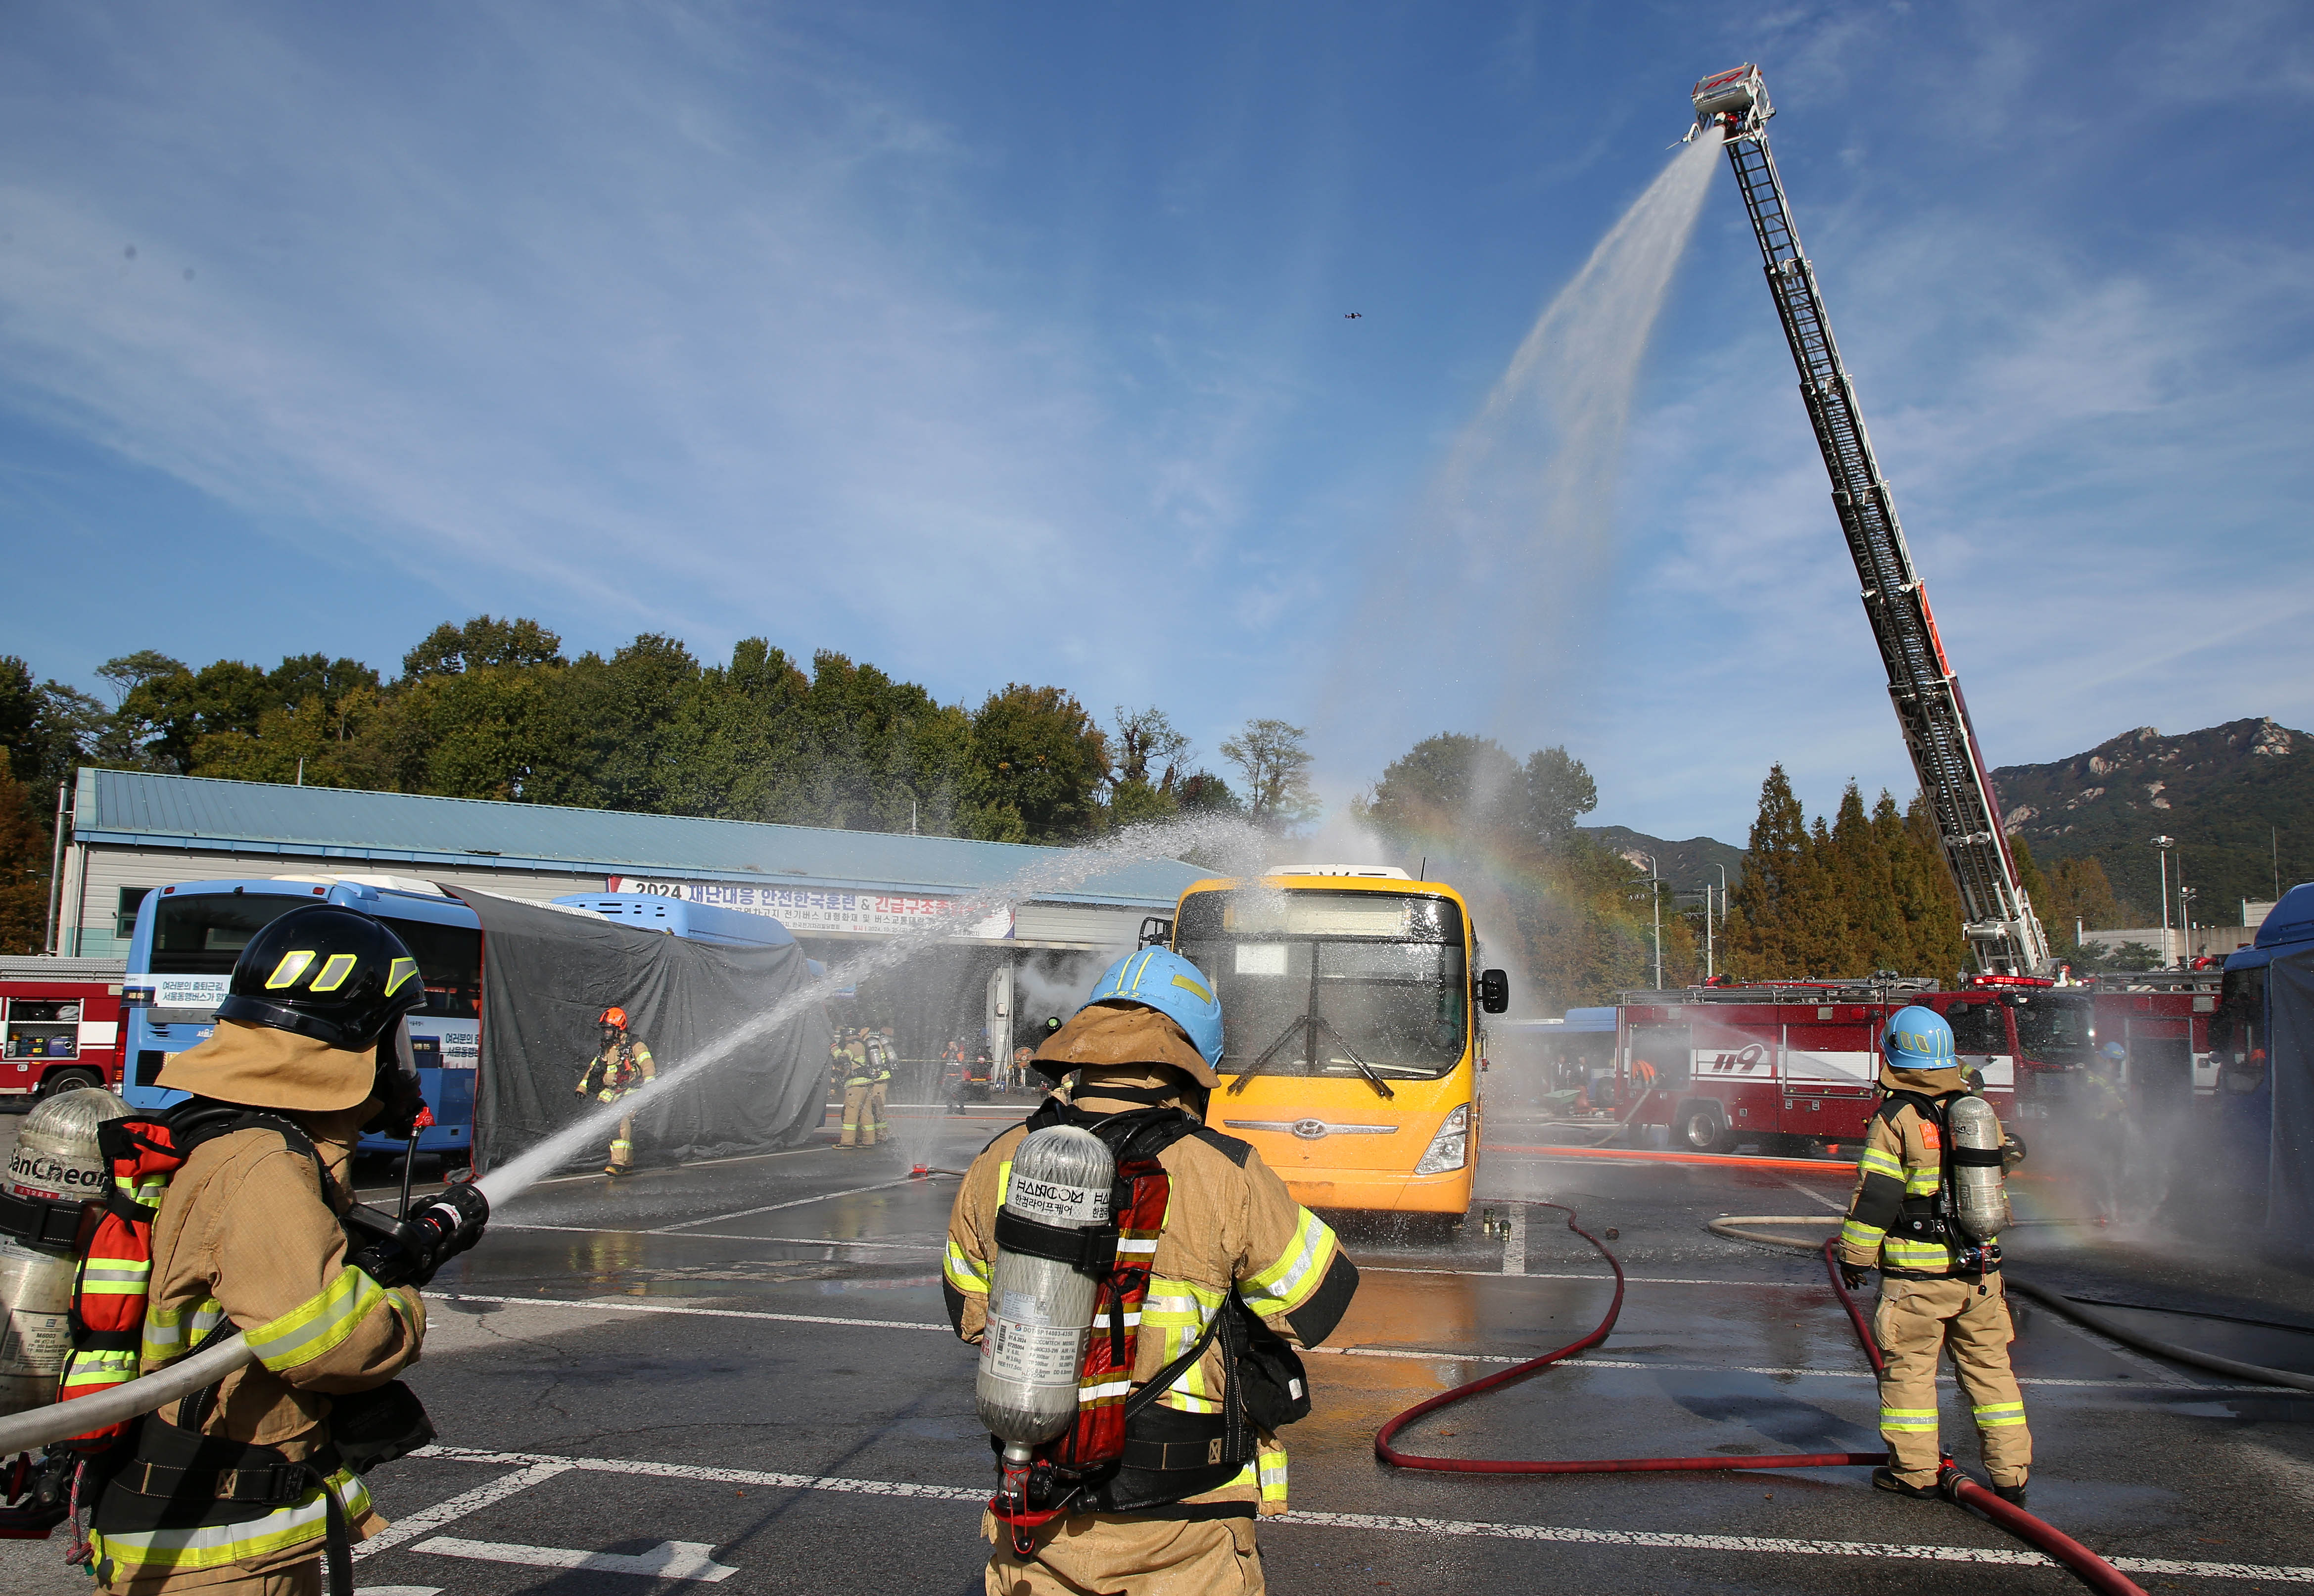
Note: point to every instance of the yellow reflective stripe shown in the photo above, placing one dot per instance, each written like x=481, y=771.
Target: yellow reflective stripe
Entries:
x=334, y=971
x=965, y=1272
x=214, y=1545
x=1922, y=1182
x=1908, y=1420
x=314, y=1326
x=1272, y=1465
x=1861, y=1234
x=168, y=1334
x=1004, y=1181
x=1995, y=1414
x=115, y=1277
x=292, y=966
x=398, y=971
x=1180, y=1311
x=92, y=1368
x=1288, y=1283
x=1879, y=1160
x=1900, y=1249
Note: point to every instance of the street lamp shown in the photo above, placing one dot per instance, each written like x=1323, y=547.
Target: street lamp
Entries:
x=2165, y=844
x=1655, y=901
x=1723, y=892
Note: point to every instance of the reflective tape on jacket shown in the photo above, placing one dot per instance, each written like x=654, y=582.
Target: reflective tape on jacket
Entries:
x=1909, y=1419
x=213, y=1546
x=1904, y=1253
x=318, y=1324
x=965, y=1272
x=1993, y=1415
x=1855, y=1233
x=169, y=1336
x=1879, y=1160
x=1180, y=1311
x=1288, y=1283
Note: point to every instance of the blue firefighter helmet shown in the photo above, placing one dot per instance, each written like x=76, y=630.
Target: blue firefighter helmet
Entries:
x=2115, y=1052
x=1918, y=1038
x=1162, y=979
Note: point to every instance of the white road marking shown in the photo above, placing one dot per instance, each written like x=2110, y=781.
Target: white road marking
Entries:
x=730, y=1476
x=743, y=1158
x=610, y=1305
x=631, y=1305
x=1786, y=1285
x=1514, y=1243
x=397, y=1590
x=712, y=1236
x=1810, y=1193
x=1887, y=1551
x=537, y=1471
x=774, y=1207
x=670, y=1559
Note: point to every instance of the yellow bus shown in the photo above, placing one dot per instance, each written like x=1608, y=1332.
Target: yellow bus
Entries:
x=1349, y=1040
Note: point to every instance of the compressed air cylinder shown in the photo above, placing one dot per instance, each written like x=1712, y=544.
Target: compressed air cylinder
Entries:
x=56, y=1160
x=1039, y=1310
x=1980, y=1195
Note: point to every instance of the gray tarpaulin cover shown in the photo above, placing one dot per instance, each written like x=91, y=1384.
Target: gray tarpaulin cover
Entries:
x=547, y=976
x=2289, y=1187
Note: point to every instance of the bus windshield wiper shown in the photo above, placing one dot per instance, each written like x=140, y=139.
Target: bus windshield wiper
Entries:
x=1323, y=1028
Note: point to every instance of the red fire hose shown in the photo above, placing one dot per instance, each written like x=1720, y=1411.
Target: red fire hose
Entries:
x=2093, y=1571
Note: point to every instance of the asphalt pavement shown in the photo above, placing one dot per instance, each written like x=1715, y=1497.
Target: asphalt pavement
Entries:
x=740, y=1374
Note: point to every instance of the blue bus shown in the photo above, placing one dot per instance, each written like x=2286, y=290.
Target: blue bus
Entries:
x=189, y=935
x=2241, y=1033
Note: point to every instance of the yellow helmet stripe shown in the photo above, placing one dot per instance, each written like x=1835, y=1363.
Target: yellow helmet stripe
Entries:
x=1184, y=981
x=334, y=971
x=292, y=966
x=403, y=969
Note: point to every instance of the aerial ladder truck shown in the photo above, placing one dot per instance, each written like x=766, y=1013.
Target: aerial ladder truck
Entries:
x=1999, y=924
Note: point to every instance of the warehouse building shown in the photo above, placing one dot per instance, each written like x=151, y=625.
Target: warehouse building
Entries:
x=836, y=891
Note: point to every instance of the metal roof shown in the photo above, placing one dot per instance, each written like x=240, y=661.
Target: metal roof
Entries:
x=126, y=808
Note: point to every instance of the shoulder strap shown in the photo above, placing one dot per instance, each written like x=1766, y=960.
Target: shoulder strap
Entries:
x=1158, y=1383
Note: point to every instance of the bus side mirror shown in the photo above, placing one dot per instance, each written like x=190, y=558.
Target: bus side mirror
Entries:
x=1156, y=931
x=1493, y=991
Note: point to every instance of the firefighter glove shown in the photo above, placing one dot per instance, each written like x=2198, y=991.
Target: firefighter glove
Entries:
x=1852, y=1276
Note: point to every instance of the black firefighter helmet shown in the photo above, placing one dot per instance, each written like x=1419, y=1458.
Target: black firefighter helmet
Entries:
x=332, y=973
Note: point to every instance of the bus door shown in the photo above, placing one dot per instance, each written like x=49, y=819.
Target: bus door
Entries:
x=1830, y=1072
x=2160, y=1061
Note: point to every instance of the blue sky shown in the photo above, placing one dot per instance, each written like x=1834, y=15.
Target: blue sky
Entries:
x=1008, y=343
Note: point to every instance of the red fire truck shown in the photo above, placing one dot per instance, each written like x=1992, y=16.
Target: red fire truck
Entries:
x=59, y=1025
x=1793, y=1064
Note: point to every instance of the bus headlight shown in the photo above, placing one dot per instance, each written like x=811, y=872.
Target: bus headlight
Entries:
x=1450, y=1149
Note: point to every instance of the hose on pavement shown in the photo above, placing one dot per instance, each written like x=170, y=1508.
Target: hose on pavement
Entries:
x=1956, y=1486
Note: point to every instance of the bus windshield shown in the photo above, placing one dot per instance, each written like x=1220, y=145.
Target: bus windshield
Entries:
x=203, y=934
x=1322, y=983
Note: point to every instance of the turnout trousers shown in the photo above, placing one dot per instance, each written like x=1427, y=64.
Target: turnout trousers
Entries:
x=622, y=1145
x=1914, y=1321
x=1103, y=1554
x=880, y=1128
x=859, y=1127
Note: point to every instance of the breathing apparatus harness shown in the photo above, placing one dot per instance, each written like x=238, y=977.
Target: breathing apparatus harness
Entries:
x=1931, y=1218
x=151, y=1473
x=1124, y=1453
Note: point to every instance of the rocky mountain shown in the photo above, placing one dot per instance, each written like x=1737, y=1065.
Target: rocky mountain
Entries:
x=1686, y=866
x=2231, y=796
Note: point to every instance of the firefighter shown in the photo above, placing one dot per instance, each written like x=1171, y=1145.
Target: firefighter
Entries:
x=1936, y=1294
x=1146, y=1043
x=247, y=1237
x=858, y=1086
x=879, y=1087
x=626, y=1064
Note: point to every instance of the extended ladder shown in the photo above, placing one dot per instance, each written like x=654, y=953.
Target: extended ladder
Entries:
x=2001, y=927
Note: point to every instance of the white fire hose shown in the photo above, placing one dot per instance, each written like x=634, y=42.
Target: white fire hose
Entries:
x=39, y=1426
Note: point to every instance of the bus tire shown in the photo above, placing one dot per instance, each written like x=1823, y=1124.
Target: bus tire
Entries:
x=68, y=1081
x=1703, y=1127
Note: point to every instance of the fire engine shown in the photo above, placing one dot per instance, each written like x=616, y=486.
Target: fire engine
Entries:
x=59, y=1025
x=1793, y=1064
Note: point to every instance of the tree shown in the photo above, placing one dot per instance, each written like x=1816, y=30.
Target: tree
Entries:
x=1276, y=764
x=24, y=862
x=1041, y=761
x=1453, y=795
x=479, y=643
x=1560, y=792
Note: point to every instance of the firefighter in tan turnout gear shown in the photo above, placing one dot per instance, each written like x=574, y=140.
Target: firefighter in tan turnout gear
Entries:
x=1236, y=1271
x=1939, y=1291
x=625, y=1063
x=860, y=1104
x=241, y=1489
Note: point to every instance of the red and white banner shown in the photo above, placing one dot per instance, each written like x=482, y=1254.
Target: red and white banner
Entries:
x=806, y=909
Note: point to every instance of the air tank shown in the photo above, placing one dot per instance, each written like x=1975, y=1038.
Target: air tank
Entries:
x=1039, y=1310
x=1980, y=1195
x=56, y=1160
